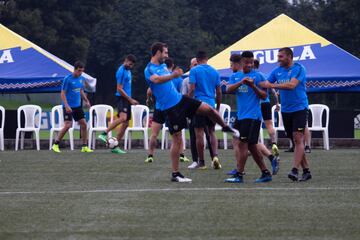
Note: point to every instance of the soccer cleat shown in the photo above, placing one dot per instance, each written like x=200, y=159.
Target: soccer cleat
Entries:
x=178, y=177
x=55, y=148
x=293, y=176
x=275, y=165
x=216, y=163
x=265, y=177
x=103, y=137
x=184, y=159
x=149, y=159
x=236, y=178
x=307, y=149
x=232, y=172
x=275, y=149
x=117, y=150
x=305, y=177
x=229, y=129
x=201, y=166
x=193, y=165
x=86, y=149
x=291, y=149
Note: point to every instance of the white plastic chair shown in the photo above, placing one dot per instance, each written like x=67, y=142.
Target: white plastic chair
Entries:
x=98, y=121
x=137, y=112
x=165, y=137
x=317, y=111
x=222, y=111
x=278, y=120
x=32, y=124
x=57, y=126
x=261, y=134
x=2, y=111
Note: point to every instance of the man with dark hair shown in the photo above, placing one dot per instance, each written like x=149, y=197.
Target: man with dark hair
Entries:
x=290, y=79
x=72, y=91
x=205, y=86
x=246, y=87
x=176, y=106
x=159, y=117
x=267, y=118
x=124, y=101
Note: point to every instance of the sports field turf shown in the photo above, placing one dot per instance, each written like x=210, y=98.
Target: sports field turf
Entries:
x=104, y=196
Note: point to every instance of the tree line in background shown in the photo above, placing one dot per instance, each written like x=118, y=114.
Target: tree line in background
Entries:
x=101, y=33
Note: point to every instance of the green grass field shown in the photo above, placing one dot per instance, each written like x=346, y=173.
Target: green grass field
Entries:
x=104, y=196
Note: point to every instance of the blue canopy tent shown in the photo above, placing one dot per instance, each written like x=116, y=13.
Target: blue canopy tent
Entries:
x=329, y=68
x=27, y=68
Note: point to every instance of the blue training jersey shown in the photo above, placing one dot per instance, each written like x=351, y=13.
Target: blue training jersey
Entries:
x=72, y=86
x=206, y=80
x=178, y=83
x=166, y=95
x=296, y=99
x=267, y=99
x=123, y=77
x=248, y=103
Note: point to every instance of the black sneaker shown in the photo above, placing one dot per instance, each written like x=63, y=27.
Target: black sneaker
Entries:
x=178, y=177
x=265, y=177
x=293, y=176
x=289, y=149
x=307, y=149
x=305, y=177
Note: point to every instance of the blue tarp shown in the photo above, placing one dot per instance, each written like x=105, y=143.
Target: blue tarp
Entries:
x=329, y=68
x=27, y=68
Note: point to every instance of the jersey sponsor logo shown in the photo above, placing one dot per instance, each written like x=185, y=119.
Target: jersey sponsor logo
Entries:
x=243, y=89
x=303, y=53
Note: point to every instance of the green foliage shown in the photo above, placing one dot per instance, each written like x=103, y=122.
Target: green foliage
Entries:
x=101, y=33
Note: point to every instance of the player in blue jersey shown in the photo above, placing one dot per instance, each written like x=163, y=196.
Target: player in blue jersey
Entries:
x=159, y=117
x=290, y=79
x=245, y=85
x=124, y=101
x=266, y=114
x=176, y=106
x=72, y=91
x=204, y=85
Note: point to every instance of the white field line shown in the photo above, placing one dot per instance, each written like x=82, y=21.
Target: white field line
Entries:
x=182, y=190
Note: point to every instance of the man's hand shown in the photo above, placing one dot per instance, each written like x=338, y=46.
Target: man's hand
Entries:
x=68, y=109
x=177, y=72
x=249, y=82
x=134, y=102
x=265, y=84
x=87, y=103
x=149, y=101
x=277, y=108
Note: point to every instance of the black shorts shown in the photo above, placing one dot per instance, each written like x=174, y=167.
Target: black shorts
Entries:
x=266, y=111
x=124, y=106
x=249, y=130
x=177, y=114
x=200, y=121
x=159, y=116
x=294, y=121
x=76, y=114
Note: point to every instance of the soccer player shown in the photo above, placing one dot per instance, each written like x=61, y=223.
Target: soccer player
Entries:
x=205, y=86
x=290, y=79
x=176, y=106
x=245, y=84
x=159, y=117
x=194, y=153
x=266, y=114
x=72, y=91
x=124, y=101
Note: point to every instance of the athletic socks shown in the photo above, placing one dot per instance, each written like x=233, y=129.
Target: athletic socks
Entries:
x=295, y=170
x=271, y=157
